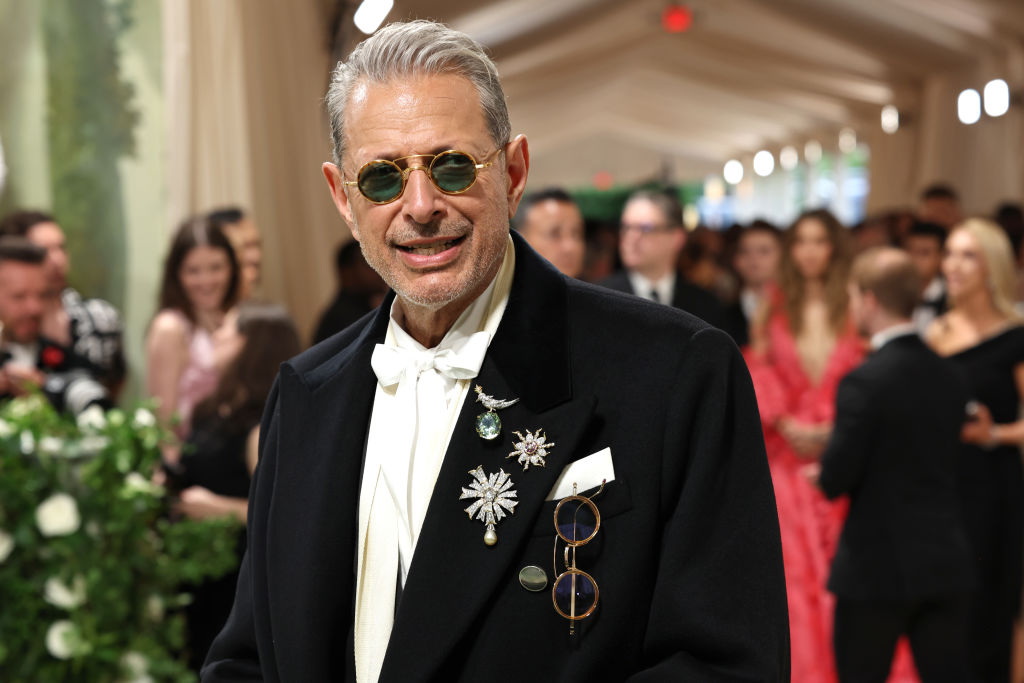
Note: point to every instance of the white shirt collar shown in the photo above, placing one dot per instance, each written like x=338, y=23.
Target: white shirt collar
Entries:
x=22, y=354
x=935, y=289
x=880, y=339
x=665, y=287
x=749, y=301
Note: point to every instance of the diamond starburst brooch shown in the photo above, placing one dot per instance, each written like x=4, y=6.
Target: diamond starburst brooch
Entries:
x=494, y=495
x=531, y=449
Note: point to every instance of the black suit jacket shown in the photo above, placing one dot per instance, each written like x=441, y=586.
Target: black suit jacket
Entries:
x=687, y=559
x=686, y=296
x=893, y=449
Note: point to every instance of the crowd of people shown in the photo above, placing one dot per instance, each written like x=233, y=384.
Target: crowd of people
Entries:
x=812, y=307
x=212, y=351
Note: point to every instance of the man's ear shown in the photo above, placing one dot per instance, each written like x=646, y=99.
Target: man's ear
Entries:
x=337, y=184
x=517, y=167
x=679, y=241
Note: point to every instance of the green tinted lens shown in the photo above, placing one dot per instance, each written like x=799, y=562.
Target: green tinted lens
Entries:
x=453, y=171
x=380, y=181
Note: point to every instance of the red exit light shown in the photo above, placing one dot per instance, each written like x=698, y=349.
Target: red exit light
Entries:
x=677, y=19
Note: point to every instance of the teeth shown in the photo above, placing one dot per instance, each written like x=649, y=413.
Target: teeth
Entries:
x=431, y=250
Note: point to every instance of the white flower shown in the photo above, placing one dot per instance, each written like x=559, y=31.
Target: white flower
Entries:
x=25, y=406
x=59, y=594
x=58, y=515
x=50, y=445
x=144, y=418
x=155, y=608
x=6, y=545
x=28, y=442
x=6, y=429
x=136, y=666
x=135, y=484
x=63, y=639
x=92, y=445
x=92, y=419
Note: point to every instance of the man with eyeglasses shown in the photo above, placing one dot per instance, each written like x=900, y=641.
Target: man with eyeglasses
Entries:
x=651, y=236
x=405, y=512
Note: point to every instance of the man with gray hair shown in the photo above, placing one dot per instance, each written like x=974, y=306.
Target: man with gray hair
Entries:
x=387, y=539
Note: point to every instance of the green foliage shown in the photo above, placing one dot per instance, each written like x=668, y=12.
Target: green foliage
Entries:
x=90, y=122
x=607, y=205
x=86, y=545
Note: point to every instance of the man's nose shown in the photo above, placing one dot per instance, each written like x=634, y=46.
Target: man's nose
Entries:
x=421, y=198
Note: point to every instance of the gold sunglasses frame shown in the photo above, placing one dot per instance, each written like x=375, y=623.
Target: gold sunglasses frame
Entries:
x=570, y=565
x=477, y=167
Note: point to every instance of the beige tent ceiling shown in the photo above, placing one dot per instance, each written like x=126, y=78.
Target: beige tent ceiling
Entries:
x=598, y=85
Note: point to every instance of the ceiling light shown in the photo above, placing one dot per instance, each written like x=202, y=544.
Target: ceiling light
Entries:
x=812, y=151
x=764, y=163
x=847, y=140
x=370, y=14
x=788, y=157
x=997, y=97
x=733, y=171
x=890, y=119
x=968, y=106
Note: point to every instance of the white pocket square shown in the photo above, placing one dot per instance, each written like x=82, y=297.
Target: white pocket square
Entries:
x=585, y=473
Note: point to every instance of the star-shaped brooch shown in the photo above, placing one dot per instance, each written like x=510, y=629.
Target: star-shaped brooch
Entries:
x=531, y=449
x=494, y=495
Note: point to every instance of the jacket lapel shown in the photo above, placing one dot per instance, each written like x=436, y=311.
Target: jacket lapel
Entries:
x=453, y=572
x=317, y=474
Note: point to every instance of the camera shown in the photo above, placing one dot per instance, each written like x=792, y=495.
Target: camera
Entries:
x=73, y=391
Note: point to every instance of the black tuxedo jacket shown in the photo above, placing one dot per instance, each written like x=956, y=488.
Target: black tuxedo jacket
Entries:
x=893, y=449
x=686, y=296
x=687, y=559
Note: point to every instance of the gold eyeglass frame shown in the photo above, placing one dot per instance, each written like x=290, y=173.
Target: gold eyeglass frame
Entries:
x=477, y=167
x=570, y=564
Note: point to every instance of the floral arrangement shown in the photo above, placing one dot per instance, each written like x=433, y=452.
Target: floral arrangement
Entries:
x=91, y=567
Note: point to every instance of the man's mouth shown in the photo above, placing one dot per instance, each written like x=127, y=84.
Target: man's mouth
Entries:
x=431, y=249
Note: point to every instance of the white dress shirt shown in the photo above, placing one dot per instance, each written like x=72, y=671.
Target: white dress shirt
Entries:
x=665, y=287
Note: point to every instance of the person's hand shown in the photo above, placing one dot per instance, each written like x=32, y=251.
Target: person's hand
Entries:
x=18, y=380
x=227, y=341
x=978, y=429
x=807, y=440
x=811, y=472
x=197, y=502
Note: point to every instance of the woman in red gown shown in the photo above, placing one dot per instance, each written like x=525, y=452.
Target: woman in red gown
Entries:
x=802, y=344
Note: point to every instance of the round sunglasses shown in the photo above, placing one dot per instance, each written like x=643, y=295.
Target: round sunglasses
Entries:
x=452, y=172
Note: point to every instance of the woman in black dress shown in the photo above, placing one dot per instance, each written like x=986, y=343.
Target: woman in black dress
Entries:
x=221, y=451
x=984, y=336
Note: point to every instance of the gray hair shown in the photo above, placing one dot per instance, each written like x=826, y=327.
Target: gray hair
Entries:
x=401, y=50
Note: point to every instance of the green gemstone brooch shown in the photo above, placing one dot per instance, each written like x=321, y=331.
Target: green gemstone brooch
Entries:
x=488, y=425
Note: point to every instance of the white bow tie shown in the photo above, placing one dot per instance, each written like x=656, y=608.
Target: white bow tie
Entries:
x=462, y=361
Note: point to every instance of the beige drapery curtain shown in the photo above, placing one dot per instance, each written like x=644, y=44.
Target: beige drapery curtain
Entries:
x=244, y=84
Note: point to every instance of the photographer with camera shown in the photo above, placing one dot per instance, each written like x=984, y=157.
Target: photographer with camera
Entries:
x=28, y=359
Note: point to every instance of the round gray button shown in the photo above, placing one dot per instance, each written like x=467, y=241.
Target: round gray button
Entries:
x=533, y=578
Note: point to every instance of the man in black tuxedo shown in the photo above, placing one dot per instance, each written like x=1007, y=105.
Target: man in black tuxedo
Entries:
x=400, y=530
x=924, y=243
x=651, y=236
x=903, y=564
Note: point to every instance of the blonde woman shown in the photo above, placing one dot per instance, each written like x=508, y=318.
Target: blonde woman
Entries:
x=983, y=335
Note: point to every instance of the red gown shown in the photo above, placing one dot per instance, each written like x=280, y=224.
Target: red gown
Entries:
x=808, y=522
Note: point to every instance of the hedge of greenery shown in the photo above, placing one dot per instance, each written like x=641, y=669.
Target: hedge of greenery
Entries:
x=91, y=567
